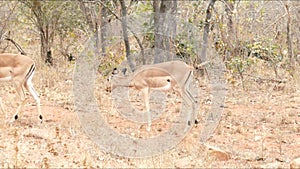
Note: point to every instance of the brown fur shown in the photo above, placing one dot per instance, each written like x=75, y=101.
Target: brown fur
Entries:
x=158, y=76
x=19, y=69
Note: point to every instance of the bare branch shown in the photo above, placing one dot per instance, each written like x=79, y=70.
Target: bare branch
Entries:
x=257, y=78
x=129, y=28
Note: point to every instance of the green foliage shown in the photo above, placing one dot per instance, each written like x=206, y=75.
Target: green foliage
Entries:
x=71, y=19
x=266, y=52
x=185, y=50
x=59, y=24
x=110, y=62
x=149, y=36
x=239, y=65
x=248, y=54
x=144, y=6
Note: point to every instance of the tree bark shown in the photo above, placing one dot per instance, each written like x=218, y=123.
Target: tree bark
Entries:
x=128, y=27
x=93, y=22
x=229, y=7
x=165, y=28
x=171, y=28
x=158, y=42
x=206, y=33
x=289, y=39
x=125, y=34
x=206, y=29
x=228, y=35
x=46, y=29
x=103, y=31
x=46, y=53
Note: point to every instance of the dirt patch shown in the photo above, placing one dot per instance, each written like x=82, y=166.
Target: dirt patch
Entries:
x=258, y=129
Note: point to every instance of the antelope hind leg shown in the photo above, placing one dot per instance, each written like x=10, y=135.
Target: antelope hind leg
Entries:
x=30, y=88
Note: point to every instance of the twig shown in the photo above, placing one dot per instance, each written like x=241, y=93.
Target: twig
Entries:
x=267, y=79
x=129, y=28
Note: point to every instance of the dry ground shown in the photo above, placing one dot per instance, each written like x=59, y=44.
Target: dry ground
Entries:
x=260, y=127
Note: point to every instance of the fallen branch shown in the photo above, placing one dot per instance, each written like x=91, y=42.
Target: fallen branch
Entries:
x=267, y=79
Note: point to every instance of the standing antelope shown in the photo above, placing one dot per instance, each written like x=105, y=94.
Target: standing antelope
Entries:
x=19, y=69
x=162, y=76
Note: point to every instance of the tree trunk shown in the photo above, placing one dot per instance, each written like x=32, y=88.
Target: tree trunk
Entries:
x=103, y=31
x=46, y=52
x=229, y=7
x=290, y=39
x=92, y=19
x=171, y=28
x=125, y=34
x=206, y=29
x=45, y=29
x=206, y=34
x=158, y=42
x=230, y=37
x=165, y=28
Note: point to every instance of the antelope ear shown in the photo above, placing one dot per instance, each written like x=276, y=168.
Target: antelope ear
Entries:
x=115, y=71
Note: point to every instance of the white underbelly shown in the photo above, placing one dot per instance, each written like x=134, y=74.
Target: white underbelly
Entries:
x=166, y=87
x=3, y=79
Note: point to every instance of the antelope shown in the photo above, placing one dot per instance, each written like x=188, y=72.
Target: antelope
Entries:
x=162, y=76
x=19, y=69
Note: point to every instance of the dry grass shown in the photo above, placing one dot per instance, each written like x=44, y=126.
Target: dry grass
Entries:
x=259, y=127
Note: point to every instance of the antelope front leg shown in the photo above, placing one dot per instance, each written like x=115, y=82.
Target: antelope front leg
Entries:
x=19, y=110
x=147, y=106
x=21, y=94
x=188, y=98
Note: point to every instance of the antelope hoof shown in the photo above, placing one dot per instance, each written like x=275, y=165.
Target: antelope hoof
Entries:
x=16, y=117
x=41, y=118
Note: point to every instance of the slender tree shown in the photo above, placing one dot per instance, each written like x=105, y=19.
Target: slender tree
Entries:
x=125, y=33
x=90, y=8
x=289, y=38
x=45, y=19
x=165, y=28
x=207, y=27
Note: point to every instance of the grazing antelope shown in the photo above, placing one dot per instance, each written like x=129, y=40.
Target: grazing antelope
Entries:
x=162, y=76
x=19, y=69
